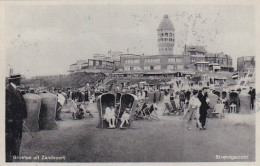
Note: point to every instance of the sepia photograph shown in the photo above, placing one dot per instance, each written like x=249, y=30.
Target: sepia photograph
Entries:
x=130, y=82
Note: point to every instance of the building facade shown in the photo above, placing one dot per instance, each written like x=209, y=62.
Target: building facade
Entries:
x=95, y=65
x=151, y=65
x=210, y=61
x=246, y=63
x=195, y=58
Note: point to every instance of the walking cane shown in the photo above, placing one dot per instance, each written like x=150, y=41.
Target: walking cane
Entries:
x=28, y=130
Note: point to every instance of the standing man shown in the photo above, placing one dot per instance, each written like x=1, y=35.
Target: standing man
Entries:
x=60, y=103
x=203, y=107
x=86, y=96
x=252, y=94
x=15, y=113
x=187, y=95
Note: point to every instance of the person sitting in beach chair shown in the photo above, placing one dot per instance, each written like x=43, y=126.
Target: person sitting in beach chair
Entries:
x=125, y=117
x=140, y=113
x=82, y=107
x=150, y=112
x=109, y=116
x=78, y=113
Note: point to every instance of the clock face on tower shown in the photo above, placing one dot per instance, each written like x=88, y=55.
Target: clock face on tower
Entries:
x=166, y=36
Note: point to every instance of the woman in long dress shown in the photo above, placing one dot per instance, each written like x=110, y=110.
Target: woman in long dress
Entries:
x=193, y=111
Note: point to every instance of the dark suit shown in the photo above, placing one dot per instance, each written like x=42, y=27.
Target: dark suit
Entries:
x=203, y=108
x=86, y=96
x=252, y=94
x=15, y=113
x=187, y=95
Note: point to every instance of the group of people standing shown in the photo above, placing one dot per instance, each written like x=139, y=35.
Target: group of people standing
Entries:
x=80, y=96
x=197, y=109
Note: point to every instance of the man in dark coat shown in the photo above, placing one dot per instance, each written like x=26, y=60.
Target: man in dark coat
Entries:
x=187, y=95
x=86, y=96
x=203, y=107
x=252, y=94
x=15, y=113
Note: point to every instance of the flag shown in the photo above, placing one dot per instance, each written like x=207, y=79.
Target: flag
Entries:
x=235, y=76
x=109, y=52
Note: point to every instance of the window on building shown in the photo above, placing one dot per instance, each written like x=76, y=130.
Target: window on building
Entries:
x=152, y=60
x=171, y=59
x=90, y=62
x=100, y=63
x=169, y=67
x=104, y=64
x=127, y=68
x=180, y=66
x=170, y=34
x=178, y=60
x=165, y=49
x=146, y=67
x=170, y=39
x=157, y=67
x=136, y=68
x=166, y=39
x=84, y=67
x=151, y=67
x=162, y=34
x=136, y=60
x=166, y=34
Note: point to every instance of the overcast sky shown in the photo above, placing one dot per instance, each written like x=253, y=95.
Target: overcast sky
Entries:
x=45, y=40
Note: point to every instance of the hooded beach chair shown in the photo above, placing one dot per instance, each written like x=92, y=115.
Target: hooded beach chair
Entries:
x=140, y=113
x=150, y=112
x=168, y=109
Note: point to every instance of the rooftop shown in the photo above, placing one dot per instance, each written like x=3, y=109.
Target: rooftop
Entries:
x=166, y=23
x=195, y=48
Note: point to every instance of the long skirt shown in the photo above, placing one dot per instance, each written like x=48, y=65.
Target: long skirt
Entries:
x=189, y=114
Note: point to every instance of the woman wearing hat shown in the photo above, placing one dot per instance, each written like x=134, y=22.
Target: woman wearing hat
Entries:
x=193, y=111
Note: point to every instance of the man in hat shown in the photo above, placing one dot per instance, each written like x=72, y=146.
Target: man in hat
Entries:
x=203, y=96
x=15, y=114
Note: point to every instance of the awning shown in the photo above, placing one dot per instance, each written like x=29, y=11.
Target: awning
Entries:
x=216, y=67
x=235, y=76
x=201, y=62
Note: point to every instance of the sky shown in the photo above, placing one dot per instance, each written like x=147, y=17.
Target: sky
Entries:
x=46, y=40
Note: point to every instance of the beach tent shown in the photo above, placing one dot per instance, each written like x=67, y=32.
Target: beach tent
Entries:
x=157, y=96
x=33, y=106
x=224, y=94
x=213, y=100
x=150, y=96
x=127, y=101
x=234, y=99
x=162, y=95
x=103, y=101
x=217, y=93
x=244, y=103
x=48, y=111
